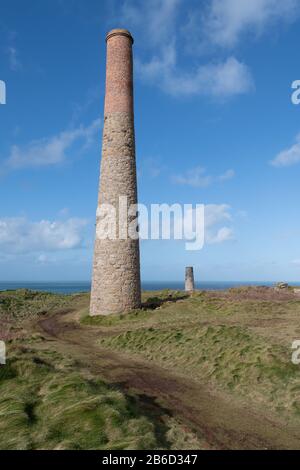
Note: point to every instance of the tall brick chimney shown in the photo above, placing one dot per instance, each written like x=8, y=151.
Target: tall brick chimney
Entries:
x=116, y=285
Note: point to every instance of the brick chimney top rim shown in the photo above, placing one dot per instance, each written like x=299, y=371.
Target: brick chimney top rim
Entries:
x=119, y=32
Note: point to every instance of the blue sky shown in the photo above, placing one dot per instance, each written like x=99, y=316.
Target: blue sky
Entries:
x=214, y=124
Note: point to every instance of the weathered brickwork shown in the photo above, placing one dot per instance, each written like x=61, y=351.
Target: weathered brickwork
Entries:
x=189, y=279
x=116, y=271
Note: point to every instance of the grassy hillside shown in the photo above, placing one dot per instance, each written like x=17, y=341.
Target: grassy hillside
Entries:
x=24, y=303
x=238, y=341
x=47, y=403
x=51, y=401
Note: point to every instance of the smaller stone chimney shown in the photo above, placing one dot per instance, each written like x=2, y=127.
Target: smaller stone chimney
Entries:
x=189, y=279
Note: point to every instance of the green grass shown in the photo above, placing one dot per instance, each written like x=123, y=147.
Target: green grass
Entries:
x=23, y=303
x=231, y=357
x=175, y=308
x=152, y=303
x=207, y=338
x=47, y=403
x=234, y=344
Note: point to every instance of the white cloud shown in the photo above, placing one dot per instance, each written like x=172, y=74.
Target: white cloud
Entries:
x=222, y=79
x=215, y=216
x=13, y=57
x=155, y=22
x=152, y=167
x=228, y=175
x=12, y=52
x=296, y=262
x=223, y=234
x=227, y=20
x=216, y=213
x=52, y=150
x=206, y=25
x=217, y=223
x=19, y=235
x=156, y=18
x=289, y=156
x=198, y=178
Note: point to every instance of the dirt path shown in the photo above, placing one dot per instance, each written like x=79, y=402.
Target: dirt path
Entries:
x=216, y=417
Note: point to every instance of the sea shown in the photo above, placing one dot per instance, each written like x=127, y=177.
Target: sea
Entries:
x=85, y=286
